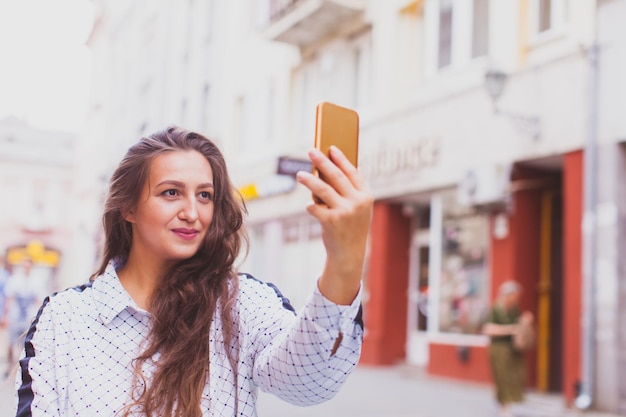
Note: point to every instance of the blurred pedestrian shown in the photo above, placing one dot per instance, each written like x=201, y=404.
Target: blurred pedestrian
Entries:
x=4, y=277
x=168, y=327
x=504, y=325
x=22, y=300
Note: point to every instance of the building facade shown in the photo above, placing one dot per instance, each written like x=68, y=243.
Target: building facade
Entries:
x=473, y=186
x=36, y=180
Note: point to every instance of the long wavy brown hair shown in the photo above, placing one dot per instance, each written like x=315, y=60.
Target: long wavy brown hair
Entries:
x=183, y=306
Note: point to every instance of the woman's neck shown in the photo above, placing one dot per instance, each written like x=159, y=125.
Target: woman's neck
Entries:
x=140, y=278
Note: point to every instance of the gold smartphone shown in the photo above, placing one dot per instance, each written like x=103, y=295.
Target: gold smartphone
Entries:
x=339, y=126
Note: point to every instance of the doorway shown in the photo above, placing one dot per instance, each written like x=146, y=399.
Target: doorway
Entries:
x=539, y=206
x=417, y=340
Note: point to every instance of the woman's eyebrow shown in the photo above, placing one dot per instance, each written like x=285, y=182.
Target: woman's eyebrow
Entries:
x=171, y=182
x=182, y=185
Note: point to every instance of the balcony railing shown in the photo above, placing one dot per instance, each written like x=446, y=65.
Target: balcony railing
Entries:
x=305, y=22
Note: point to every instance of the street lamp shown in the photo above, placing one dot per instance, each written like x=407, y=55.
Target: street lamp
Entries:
x=495, y=81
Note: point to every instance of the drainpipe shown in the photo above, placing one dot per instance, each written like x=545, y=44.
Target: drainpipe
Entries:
x=585, y=398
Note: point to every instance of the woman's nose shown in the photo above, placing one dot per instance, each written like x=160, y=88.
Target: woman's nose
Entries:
x=189, y=211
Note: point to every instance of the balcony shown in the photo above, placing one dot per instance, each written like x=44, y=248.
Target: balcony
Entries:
x=305, y=22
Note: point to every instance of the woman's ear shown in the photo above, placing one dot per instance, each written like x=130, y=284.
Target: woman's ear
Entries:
x=129, y=216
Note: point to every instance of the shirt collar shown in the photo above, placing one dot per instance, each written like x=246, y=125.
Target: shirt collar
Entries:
x=110, y=296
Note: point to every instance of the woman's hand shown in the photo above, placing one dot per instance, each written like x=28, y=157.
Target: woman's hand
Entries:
x=527, y=318
x=345, y=218
x=493, y=329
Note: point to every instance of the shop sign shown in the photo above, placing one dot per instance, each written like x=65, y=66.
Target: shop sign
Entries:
x=291, y=166
x=249, y=192
x=37, y=252
x=389, y=158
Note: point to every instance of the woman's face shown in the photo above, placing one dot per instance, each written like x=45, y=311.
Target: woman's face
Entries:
x=175, y=208
x=511, y=300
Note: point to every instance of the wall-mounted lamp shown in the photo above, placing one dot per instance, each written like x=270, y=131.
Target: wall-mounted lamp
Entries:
x=495, y=81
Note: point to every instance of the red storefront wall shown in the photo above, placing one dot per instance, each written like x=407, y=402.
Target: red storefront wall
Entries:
x=572, y=270
x=385, y=307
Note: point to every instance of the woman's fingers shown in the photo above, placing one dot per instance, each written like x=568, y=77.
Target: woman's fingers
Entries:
x=341, y=161
x=341, y=178
x=347, y=203
x=320, y=189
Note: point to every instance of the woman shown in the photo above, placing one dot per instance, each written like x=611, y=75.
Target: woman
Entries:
x=166, y=327
x=507, y=362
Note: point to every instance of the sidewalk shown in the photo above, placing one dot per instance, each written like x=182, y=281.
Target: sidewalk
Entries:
x=407, y=392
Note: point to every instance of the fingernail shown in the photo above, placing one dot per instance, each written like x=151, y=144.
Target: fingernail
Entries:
x=335, y=150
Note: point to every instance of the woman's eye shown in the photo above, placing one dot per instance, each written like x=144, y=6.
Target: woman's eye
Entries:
x=205, y=195
x=170, y=193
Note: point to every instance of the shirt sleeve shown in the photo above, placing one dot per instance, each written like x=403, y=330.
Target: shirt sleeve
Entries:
x=294, y=357
x=36, y=381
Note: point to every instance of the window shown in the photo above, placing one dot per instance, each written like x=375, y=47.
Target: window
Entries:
x=361, y=63
x=456, y=31
x=356, y=76
x=409, y=39
x=306, y=95
x=445, y=34
x=548, y=15
x=480, y=28
x=545, y=8
x=464, y=277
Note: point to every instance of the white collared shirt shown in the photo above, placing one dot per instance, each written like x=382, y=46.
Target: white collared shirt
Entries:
x=79, y=351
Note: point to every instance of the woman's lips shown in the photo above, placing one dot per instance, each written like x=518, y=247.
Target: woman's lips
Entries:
x=187, y=234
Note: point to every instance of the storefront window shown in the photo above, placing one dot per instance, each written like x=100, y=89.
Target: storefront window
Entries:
x=463, y=280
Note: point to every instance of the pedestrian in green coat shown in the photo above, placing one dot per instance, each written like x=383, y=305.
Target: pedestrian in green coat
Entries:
x=507, y=361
